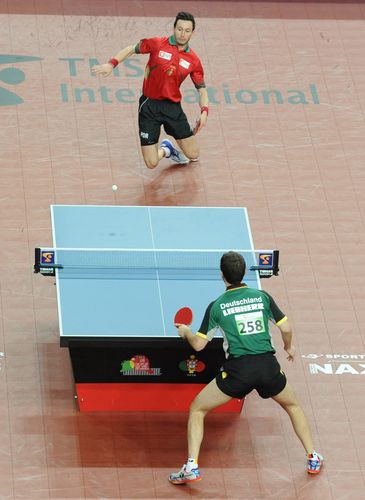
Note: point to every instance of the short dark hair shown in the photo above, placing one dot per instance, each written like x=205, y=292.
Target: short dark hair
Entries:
x=233, y=267
x=184, y=16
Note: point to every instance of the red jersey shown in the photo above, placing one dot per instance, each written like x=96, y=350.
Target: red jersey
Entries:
x=168, y=67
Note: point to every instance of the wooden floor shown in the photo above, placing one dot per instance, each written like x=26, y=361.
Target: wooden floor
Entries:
x=285, y=139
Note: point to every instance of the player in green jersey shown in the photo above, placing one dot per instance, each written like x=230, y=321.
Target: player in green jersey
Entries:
x=243, y=315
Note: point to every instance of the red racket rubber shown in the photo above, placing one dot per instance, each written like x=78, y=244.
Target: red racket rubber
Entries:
x=184, y=316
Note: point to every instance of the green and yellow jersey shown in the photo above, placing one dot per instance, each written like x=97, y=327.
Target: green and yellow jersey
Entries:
x=243, y=315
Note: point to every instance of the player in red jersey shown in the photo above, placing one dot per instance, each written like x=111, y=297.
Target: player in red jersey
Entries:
x=171, y=61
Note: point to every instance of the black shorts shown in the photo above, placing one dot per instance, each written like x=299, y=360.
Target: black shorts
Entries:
x=153, y=113
x=262, y=372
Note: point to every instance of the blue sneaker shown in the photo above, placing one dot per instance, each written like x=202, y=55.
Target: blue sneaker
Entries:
x=175, y=154
x=314, y=463
x=184, y=477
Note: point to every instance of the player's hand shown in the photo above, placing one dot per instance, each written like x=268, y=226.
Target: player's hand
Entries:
x=200, y=122
x=182, y=330
x=291, y=353
x=103, y=69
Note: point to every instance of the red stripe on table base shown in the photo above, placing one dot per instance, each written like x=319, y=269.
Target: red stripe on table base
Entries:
x=143, y=397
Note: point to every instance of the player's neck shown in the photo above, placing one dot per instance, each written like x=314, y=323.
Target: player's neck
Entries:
x=182, y=48
x=229, y=286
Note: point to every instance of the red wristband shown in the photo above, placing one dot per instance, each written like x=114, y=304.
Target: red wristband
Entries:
x=204, y=108
x=114, y=62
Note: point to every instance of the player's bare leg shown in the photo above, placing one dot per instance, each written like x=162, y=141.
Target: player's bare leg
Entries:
x=289, y=402
x=152, y=155
x=189, y=147
x=209, y=398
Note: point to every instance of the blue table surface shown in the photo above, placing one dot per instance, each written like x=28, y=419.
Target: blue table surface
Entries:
x=138, y=305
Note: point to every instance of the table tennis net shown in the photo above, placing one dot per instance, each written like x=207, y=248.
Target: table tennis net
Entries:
x=146, y=259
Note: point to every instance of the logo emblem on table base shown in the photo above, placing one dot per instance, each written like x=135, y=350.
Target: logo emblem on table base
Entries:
x=138, y=365
x=192, y=366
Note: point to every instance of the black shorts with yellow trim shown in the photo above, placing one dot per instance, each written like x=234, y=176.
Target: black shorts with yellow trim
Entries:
x=240, y=376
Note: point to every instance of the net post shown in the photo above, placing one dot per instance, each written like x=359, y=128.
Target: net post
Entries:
x=275, y=264
x=37, y=256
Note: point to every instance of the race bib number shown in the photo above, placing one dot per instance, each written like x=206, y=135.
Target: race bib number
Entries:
x=250, y=323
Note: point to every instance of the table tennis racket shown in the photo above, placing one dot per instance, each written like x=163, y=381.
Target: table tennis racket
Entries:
x=184, y=316
x=196, y=126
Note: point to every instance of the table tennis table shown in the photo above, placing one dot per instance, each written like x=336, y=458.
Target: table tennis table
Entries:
x=121, y=273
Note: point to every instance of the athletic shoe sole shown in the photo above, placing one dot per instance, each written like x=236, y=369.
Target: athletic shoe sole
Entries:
x=184, y=481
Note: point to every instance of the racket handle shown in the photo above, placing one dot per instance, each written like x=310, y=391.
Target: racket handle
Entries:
x=196, y=126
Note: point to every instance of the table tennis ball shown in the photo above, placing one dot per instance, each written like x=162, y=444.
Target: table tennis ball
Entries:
x=114, y=187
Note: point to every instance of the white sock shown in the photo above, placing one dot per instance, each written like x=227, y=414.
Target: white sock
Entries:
x=166, y=151
x=191, y=464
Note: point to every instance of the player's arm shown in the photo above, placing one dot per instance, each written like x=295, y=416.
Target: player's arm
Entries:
x=206, y=331
x=107, y=68
x=204, y=106
x=196, y=341
x=284, y=326
x=197, y=77
x=287, y=336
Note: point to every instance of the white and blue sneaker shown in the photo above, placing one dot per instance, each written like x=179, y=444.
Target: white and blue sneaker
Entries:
x=184, y=476
x=175, y=154
x=314, y=463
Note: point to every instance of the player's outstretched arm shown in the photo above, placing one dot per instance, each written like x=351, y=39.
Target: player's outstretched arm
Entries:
x=107, y=68
x=287, y=336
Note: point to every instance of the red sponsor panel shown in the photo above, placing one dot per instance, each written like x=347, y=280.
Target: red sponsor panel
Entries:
x=143, y=397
